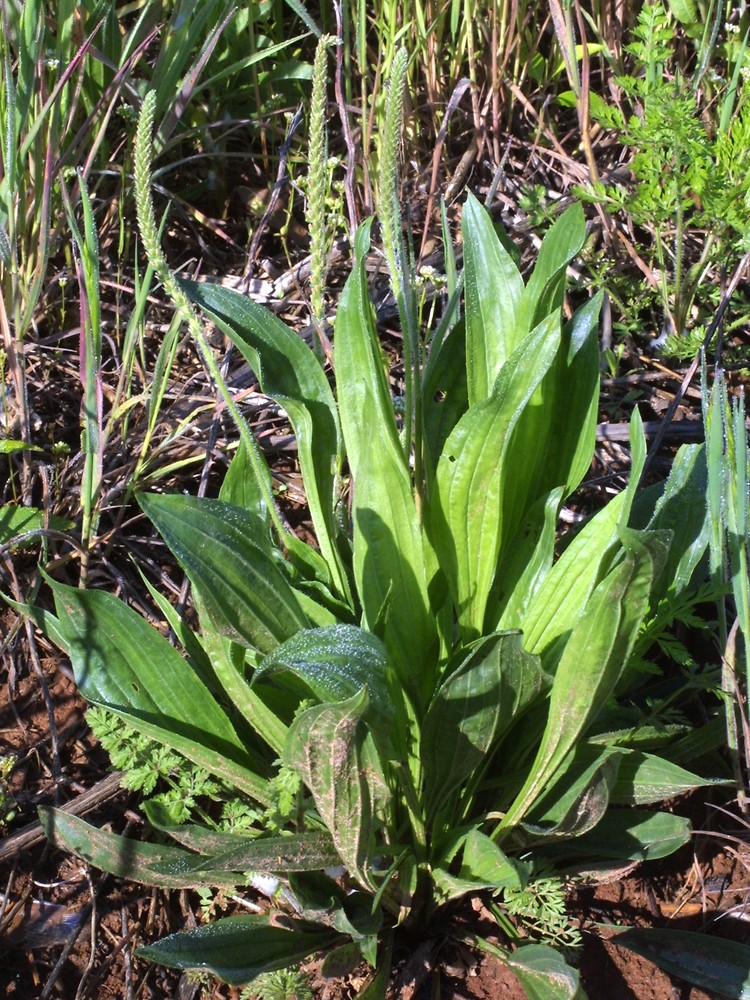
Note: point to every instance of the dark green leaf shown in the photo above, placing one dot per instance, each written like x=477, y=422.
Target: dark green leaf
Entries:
x=151, y=864
x=577, y=798
x=237, y=949
x=544, y=973
x=644, y=779
x=717, y=965
x=335, y=755
x=336, y=663
x=682, y=509
x=228, y=666
x=445, y=394
x=124, y=664
x=632, y=834
x=289, y=372
x=227, y=554
x=493, y=683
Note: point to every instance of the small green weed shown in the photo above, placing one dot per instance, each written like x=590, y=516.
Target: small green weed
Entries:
x=284, y=984
x=7, y=805
x=542, y=911
x=691, y=190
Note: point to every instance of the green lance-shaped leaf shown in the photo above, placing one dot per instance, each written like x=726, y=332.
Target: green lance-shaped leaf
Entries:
x=152, y=864
x=682, y=509
x=567, y=588
x=483, y=866
x=544, y=973
x=175, y=868
x=525, y=562
x=553, y=442
x=494, y=291
x=389, y=555
x=474, y=706
x=444, y=393
x=227, y=660
x=288, y=372
x=360, y=372
x=300, y=852
x=237, y=949
x=336, y=662
x=544, y=292
x=719, y=966
x=121, y=662
x=241, y=488
x=577, y=798
x=628, y=835
x=644, y=779
x=227, y=554
x=466, y=525
x=239, y=852
x=563, y=595
x=592, y=660
x=335, y=755
x=32, y=521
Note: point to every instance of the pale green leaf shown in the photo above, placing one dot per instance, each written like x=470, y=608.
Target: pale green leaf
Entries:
x=592, y=659
x=563, y=241
x=335, y=663
x=466, y=524
x=493, y=289
x=567, y=588
x=553, y=441
x=241, y=488
x=8, y=446
x=15, y=521
x=227, y=662
x=525, y=562
x=483, y=866
x=389, y=556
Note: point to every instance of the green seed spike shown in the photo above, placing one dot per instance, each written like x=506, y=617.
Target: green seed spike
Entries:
x=317, y=185
x=399, y=266
x=150, y=236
